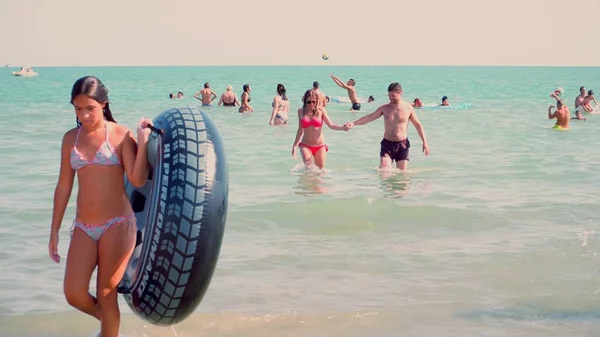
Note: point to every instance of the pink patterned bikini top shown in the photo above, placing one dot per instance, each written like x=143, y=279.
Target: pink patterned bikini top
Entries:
x=106, y=154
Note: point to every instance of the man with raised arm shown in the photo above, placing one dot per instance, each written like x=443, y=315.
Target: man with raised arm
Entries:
x=351, y=91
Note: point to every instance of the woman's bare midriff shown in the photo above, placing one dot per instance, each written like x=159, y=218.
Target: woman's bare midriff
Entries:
x=101, y=194
x=313, y=137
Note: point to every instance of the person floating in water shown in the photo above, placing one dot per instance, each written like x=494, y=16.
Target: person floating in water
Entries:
x=561, y=114
x=396, y=114
x=206, y=95
x=351, y=91
x=445, y=101
x=417, y=103
x=174, y=96
x=371, y=99
x=579, y=116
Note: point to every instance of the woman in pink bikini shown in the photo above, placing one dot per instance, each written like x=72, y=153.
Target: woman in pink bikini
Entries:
x=100, y=151
x=310, y=129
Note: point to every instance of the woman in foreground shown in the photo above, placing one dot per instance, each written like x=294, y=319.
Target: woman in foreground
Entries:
x=310, y=129
x=100, y=151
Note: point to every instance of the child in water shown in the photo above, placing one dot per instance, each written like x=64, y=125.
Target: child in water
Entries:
x=587, y=105
x=579, y=115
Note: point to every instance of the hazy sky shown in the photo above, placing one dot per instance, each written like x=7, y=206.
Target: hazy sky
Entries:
x=269, y=32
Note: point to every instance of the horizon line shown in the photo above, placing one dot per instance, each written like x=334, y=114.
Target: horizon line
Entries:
x=8, y=65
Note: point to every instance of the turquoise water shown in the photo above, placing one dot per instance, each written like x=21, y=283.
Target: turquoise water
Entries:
x=492, y=234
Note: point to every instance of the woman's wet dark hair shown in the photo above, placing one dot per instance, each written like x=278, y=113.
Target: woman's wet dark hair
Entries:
x=246, y=87
x=92, y=87
x=590, y=93
x=281, y=91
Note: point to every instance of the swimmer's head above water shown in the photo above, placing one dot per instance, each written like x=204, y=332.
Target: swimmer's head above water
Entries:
x=579, y=115
x=371, y=99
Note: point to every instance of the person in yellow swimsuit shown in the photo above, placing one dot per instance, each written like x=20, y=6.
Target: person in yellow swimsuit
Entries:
x=561, y=114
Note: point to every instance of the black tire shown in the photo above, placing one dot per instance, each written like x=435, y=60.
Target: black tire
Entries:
x=180, y=228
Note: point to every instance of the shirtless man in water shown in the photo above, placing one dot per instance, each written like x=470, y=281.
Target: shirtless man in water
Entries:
x=207, y=95
x=396, y=114
x=351, y=91
x=562, y=115
x=322, y=98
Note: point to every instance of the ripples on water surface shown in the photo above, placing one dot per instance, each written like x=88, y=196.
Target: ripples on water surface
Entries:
x=493, y=234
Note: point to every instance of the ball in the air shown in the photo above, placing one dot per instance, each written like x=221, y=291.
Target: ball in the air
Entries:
x=559, y=91
x=325, y=57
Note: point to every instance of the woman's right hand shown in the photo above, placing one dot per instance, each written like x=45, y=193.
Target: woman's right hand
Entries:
x=294, y=152
x=53, y=248
x=271, y=122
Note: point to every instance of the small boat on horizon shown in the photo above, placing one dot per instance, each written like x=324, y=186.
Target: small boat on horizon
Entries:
x=25, y=71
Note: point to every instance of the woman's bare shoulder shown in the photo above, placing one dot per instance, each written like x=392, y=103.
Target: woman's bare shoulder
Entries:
x=119, y=128
x=119, y=131
x=69, y=136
